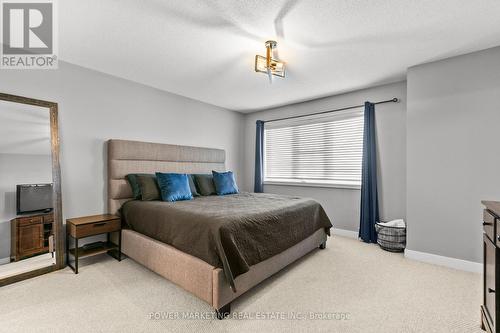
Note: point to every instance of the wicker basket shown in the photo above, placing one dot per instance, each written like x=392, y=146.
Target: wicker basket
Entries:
x=391, y=238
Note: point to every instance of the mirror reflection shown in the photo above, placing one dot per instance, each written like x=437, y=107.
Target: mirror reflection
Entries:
x=26, y=205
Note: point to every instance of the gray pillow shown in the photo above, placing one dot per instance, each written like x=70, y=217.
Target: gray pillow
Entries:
x=192, y=186
x=149, y=187
x=205, y=184
x=132, y=179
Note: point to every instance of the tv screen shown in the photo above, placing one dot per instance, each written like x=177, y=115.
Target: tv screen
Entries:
x=34, y=198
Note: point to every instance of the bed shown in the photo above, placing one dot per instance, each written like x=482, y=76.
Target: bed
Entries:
x=215, y=247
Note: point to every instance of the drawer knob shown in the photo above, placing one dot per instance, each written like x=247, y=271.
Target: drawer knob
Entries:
x=487, y=223
x=99, y=224
x=491, y=290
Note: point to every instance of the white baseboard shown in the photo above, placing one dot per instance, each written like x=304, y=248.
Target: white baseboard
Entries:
x=459, y=264
x=4, y=260
x=429, y=258
x=345, y=233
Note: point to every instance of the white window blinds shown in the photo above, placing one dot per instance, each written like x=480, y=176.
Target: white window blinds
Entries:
x=316, y=151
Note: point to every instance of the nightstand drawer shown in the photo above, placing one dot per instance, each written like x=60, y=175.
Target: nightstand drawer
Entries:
x=23, y=221
x=90, y=229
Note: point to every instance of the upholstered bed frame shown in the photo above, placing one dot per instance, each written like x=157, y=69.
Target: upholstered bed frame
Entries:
x=192, y=274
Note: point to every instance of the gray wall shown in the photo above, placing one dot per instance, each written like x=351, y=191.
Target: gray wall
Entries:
x=436, y=161
x=94, y=107
x=18, y=169
x=342, y=205
x=452, y=152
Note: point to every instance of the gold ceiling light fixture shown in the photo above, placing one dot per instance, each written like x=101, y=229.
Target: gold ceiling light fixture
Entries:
x=267, y=64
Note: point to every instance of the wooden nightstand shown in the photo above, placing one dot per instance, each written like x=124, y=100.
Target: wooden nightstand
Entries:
x=86, y=226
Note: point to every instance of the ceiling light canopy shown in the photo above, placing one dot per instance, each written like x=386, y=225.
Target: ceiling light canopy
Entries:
x=267, y=64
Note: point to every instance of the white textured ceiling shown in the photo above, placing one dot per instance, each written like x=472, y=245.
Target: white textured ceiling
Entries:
x=205, y=49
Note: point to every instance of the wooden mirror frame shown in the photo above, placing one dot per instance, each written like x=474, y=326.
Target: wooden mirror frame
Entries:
x=56, y=180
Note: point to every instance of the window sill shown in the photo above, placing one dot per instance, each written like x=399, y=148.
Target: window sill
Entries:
x=310, y=184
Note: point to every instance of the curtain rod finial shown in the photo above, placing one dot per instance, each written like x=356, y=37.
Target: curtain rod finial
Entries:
x=395, y=100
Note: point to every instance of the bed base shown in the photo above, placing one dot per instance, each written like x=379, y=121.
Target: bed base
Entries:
x=203, y=280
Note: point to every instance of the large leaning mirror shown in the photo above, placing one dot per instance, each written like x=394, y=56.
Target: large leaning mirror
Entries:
x=30, y=189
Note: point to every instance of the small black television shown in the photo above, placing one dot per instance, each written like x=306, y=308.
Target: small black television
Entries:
x=33, y=198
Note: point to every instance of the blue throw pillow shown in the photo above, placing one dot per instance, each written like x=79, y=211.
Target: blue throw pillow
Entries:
x=174, y=186
x=224, y=183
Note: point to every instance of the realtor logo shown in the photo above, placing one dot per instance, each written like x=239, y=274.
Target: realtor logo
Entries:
x=28, y=39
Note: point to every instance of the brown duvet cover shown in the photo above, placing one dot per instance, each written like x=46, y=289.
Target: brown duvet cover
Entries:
x=233, y=232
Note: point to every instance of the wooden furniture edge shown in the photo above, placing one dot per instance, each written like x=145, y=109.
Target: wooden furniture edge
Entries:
x=489, y=316
x=28, y=275
x=485, y=324
x=92, y=219
x=493, y=206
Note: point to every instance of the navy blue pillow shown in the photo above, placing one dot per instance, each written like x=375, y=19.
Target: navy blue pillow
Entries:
x=224, y=183
x=174, y=186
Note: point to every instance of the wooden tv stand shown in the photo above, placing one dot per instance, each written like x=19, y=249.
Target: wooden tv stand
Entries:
x=31, y=235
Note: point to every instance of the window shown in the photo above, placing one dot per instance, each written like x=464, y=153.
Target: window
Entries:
x=323, y=151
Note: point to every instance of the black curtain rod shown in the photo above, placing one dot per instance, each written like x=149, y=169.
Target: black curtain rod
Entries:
x=394, y=100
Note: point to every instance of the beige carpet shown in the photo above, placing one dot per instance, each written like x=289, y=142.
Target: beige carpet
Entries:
x=369, y=290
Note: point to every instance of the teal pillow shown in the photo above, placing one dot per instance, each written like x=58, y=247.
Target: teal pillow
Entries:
x=225, y=183
x=134, y=184
x=174, y=186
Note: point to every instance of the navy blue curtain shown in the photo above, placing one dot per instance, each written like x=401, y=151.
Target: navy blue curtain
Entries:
x=369, y=197
x=259, y=156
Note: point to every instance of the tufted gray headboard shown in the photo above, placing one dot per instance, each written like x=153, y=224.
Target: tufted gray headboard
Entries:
x=126, y=157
